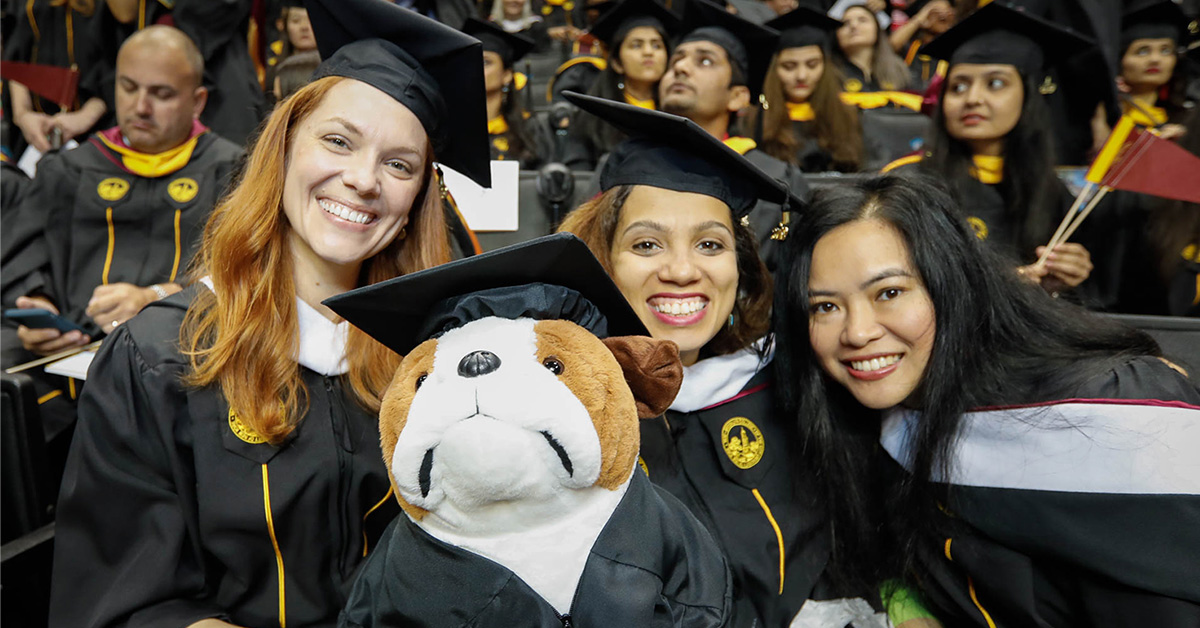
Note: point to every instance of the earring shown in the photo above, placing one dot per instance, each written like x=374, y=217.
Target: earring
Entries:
x=403, y=233
x=621, y=84
x=731, y=319
x=1047, y=87
x=505, y=88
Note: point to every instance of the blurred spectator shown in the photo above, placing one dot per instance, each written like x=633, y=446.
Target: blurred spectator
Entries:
x=806, y=123
x=220, y=30
x=507, y=132
x=295, y=72
x=516, y=16
x=1150, y=70
x=637, y=34
x=864, y=55
x=295, y=35
x=61, y=34
x=928, y=19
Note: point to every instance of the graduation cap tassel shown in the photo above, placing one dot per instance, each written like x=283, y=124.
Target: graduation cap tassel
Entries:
x=528, y=92
x=763, y=106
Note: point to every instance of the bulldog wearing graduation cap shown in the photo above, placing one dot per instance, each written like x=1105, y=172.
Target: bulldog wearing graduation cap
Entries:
x=510, y=432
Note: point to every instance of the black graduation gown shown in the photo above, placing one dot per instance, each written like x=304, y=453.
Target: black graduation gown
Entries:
x=985, y=209
x=1056, y=558
x=167, y=516
x=653, y=565
x=766, y=217
x=62, y=37
x=69, y=205
x=752, y=511
x=1183, y=290
x=809, y=155
x=236, y=102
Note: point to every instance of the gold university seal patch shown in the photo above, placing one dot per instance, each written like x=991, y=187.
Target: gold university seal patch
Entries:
x=742, y=442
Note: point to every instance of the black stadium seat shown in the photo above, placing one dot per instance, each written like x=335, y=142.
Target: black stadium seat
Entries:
x=27, y=492
x=889, y=134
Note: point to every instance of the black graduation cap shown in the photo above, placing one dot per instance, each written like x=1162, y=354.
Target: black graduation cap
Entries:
x=1153, y=19
x=674, y=153
x=1001, y=33
x=626, y=15
x=509, y=46
x=428, y=67
x=748, y=45
x=552, y=277
x=802, y=27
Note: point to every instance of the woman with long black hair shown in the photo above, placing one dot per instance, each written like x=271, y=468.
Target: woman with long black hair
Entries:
x=990, y=108
x=1024, y=462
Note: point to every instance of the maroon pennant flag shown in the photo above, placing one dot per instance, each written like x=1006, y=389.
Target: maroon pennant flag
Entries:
x=50, y=82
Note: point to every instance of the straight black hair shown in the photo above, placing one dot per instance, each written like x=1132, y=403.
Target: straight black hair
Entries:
x=1030, y=188
x=998, y=341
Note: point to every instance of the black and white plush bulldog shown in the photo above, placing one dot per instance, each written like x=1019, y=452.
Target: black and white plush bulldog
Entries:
x=511, y=435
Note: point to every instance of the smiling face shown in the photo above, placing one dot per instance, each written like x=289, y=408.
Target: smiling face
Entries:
x=697, y=83
x=354, y=168
x=299, y=30
x=982, y=103
x=673, y=258
x=871, y=321
x=1148, y=63
x=643, y=55
x=859, y=29
x=799, y=69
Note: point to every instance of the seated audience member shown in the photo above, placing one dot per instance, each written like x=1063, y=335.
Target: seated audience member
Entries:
x=668, y=228
x=296, y=37
x=637, y=34
x=113, y=223
x=507, y=133
x=1026, y=462
x=864, y=55
x=805, y=122
x=64, y=35
x=1151, y=72
x=714, y=72
x=295, y=72
x=226, y=469
x=517, y=17
x=928, y=19
x=220, y=30
x=588, y=51
x=990, y=109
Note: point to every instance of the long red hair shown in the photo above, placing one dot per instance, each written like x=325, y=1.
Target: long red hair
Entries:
x=244, y=336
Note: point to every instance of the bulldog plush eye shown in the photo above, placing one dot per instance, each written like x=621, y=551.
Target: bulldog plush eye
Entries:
x=553, y=365
x=421, y=380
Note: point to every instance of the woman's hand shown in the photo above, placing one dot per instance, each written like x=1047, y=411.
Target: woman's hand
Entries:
x=46, y=341
x=1067, y=266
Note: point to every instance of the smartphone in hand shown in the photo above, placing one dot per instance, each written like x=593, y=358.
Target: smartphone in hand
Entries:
x=38, y=318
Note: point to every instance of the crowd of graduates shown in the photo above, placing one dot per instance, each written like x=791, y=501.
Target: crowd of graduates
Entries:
x=845, y=215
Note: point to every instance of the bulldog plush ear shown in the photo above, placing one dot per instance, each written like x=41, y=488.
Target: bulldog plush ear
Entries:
x=652, y=369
